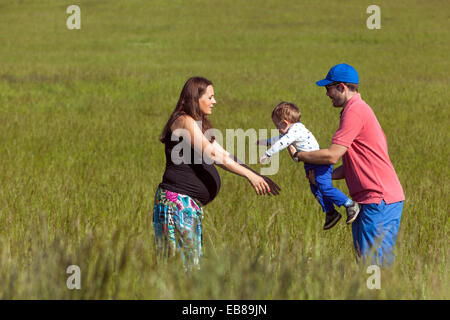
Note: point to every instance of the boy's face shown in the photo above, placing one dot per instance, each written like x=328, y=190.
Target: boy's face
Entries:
x=282, y=125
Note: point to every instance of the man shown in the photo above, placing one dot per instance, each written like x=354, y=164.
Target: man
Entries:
x=367, y=169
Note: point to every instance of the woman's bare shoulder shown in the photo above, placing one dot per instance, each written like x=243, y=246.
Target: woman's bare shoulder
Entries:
x=183, y=121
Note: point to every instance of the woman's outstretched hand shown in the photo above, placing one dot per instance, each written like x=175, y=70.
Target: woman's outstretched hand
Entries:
x=259, y=184
x=268, y=184
x=274, y=188
x=263, y=185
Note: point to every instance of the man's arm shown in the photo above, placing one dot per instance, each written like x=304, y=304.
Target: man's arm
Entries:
x=323, y=156
x=338, y=173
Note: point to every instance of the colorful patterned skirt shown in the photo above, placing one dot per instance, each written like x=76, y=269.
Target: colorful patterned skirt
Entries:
x=177, y=221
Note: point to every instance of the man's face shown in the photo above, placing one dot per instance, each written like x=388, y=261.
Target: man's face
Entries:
x=335, y=91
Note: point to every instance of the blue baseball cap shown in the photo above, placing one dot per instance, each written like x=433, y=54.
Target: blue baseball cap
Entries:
x=340, y=73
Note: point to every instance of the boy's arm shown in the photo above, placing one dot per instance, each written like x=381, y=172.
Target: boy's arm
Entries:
x=269, y=142
x=282, y=143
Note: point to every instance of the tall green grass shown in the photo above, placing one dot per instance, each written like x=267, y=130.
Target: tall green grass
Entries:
x=80, y=158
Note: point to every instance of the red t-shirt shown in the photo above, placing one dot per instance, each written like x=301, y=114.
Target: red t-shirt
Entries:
x=369, y=173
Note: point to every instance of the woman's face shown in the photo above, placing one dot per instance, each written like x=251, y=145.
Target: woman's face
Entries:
x=207, y=100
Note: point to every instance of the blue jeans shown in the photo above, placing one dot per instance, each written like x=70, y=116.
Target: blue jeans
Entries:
x=325, y=193
x=375, y=231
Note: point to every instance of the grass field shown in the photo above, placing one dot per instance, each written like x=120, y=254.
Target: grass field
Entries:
x=81, y=112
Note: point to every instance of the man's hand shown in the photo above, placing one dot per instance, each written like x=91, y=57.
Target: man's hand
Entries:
x=311, y=176
x=338, y=173
x=292, y=151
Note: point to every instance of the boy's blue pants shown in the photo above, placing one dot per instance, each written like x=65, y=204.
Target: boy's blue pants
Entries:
x=325, y=193
x=375, y=231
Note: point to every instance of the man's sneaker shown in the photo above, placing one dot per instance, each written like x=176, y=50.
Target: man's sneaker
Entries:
x=331, y=219
x=353, y=211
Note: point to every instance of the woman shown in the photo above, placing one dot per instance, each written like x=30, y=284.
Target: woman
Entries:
x=189, y=181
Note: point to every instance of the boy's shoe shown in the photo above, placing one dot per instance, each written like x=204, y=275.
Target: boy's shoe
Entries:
x=331, y=218
x=353, y=211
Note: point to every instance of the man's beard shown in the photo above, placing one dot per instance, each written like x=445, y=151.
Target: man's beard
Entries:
x=338, y=102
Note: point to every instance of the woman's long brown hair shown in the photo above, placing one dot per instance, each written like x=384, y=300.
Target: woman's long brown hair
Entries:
x=188, y=104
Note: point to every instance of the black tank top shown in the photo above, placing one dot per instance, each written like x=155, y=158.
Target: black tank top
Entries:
x=192, y=177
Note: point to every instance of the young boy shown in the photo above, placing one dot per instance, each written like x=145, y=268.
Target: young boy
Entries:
x=286, y=117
